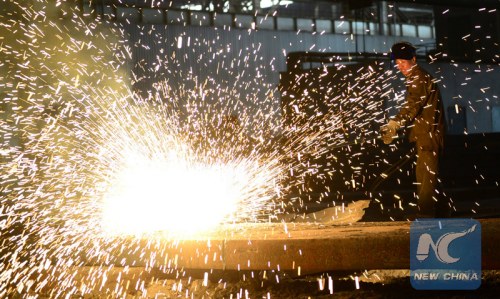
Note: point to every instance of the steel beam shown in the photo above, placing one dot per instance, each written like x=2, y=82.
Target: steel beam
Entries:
x=300, y=248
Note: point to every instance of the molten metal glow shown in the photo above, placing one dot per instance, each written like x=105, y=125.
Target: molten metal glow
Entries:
x=172, y=195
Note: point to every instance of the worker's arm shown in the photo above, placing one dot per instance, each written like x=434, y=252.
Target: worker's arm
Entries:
x=416, y=99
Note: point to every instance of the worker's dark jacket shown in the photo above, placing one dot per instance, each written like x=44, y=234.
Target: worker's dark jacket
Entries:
x=423, y=110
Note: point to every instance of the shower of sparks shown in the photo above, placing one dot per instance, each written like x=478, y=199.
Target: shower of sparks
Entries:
x=85, y=160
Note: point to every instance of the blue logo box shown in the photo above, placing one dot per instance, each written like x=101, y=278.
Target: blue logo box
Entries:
x=445, y=254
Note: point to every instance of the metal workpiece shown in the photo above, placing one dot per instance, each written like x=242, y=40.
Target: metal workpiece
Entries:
x=296, y=248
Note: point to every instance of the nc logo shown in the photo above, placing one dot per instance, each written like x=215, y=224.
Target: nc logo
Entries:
x=440, y=248
x=457, y=247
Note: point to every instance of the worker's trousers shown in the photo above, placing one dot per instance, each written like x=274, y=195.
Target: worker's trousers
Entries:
x=427, y=169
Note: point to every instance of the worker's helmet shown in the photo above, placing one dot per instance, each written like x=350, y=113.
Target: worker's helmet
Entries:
x=403, y=50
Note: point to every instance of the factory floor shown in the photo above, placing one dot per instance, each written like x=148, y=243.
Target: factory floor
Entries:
x=140, y=282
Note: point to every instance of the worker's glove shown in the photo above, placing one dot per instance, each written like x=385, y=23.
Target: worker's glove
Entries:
x=389, y=131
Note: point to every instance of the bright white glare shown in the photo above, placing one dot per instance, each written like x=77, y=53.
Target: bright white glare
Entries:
x=269, y=3
x=198, y=7
x=171, y=195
